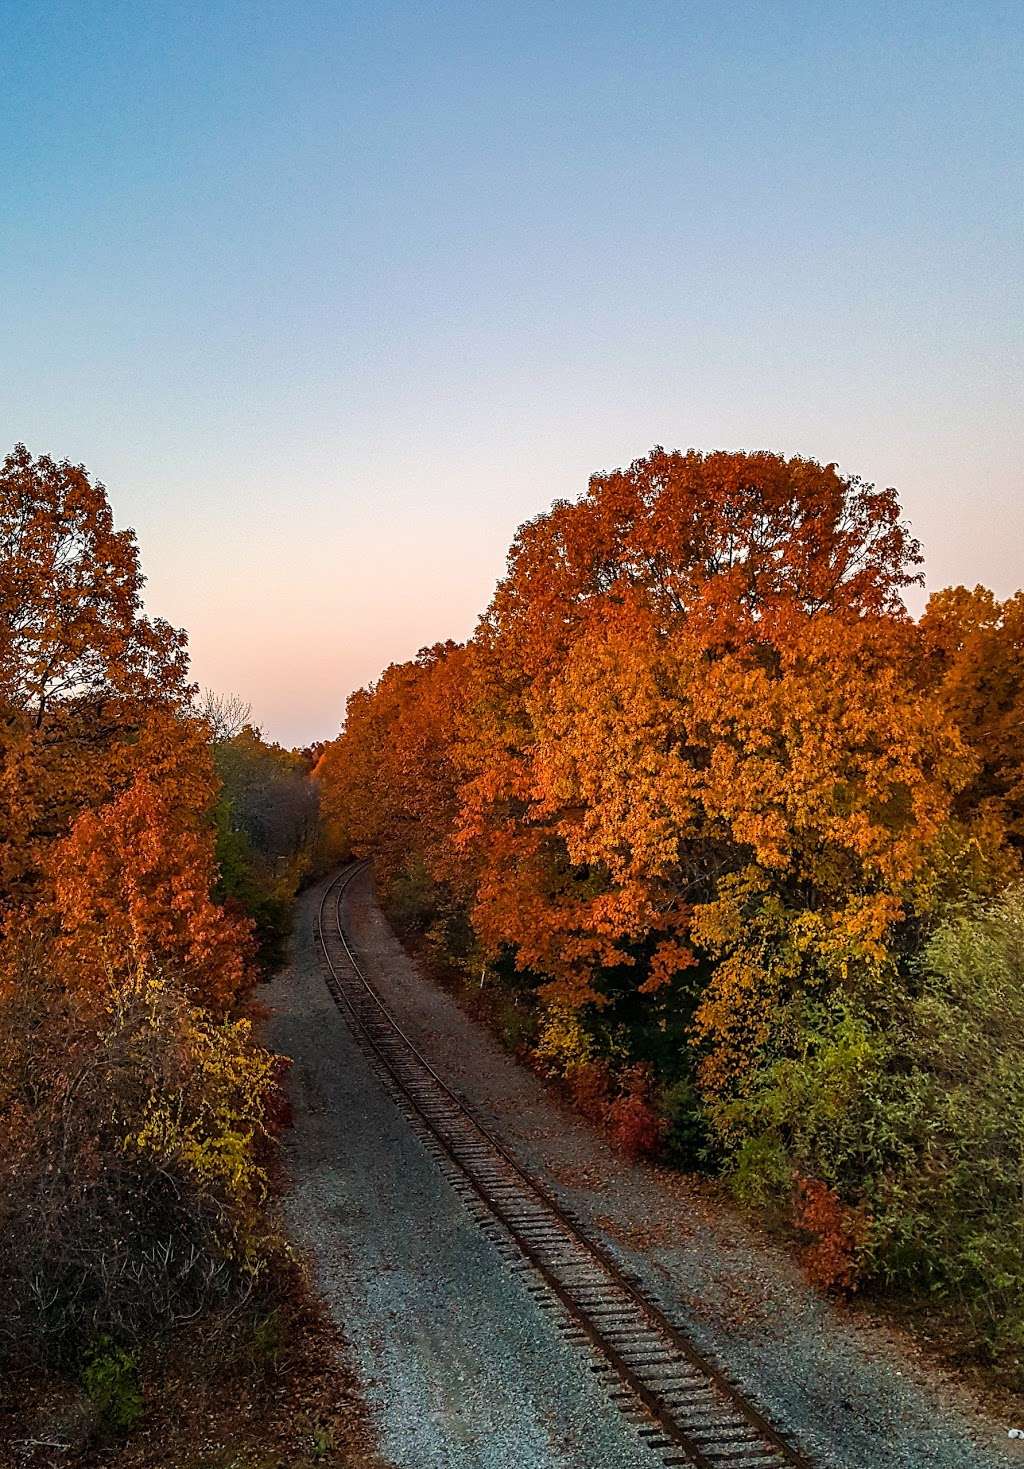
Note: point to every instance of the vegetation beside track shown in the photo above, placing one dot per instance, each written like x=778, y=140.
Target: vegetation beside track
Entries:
x=736, y=849
x=151, y=843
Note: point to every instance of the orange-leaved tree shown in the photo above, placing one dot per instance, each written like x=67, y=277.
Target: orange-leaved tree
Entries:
x=129, y=1182
x=973, y=655
x=81, y=666
x=665, y=582
x=106, y=782
x=131, y=882
x=389, y=782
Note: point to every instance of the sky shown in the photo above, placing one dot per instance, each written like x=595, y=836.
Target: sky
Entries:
x=333, y=296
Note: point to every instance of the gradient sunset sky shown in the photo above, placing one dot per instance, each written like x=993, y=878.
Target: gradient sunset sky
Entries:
x=332, y=296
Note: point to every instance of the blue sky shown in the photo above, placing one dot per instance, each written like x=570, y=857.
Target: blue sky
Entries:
x=333, y=296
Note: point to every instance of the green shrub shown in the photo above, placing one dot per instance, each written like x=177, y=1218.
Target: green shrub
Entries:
x=954, y=1218
x=761, y=1173
x=909, y=1105
x=518, y=1024
x=687, y=1139
x=110, y=1380
x=412, y=898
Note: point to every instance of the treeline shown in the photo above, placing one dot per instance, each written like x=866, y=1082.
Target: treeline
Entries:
x=267, y=817
x=735, y=845
x=150, y=843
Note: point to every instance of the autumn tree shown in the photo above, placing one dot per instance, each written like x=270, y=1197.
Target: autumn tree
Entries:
x=129, y=1104
x=680, y=570
x=973, y=655
x=71, y=620
x=734, y=540
x=81, y=666
x=710, y=796
x=106, y=780
x=132, y=881
x=389, y=783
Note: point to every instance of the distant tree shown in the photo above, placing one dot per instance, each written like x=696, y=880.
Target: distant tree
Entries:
x=267, y=827
x=225, y=715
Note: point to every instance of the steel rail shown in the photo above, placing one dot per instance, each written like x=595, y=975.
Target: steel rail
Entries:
x=694, y=1414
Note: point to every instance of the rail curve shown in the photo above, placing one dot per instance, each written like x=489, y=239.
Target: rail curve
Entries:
x=683, y=1405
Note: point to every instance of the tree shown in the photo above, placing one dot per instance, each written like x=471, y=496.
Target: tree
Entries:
x=706, y=794
x=267, y=817
x=390, y=781
x=225, y=715
x=71, y=624
x=973, y=654
x=132, y=881
x=620, y=614
x=81, y=667
x=129, y=1104
x=734, y=540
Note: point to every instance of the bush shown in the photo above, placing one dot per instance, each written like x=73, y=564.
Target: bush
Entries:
x=950, y=1217
x=834, y=1235
x=590, y=1085
x=903, y=1114
x=635, y=1126
x=412, y=899
x=516, y=1024
x=110, y=1380
x=129, y=1184
x=563, y=1043
x=687, y=1140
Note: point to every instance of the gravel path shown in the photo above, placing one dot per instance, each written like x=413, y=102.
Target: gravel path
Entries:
x=463, y=1369
x=856, y=1393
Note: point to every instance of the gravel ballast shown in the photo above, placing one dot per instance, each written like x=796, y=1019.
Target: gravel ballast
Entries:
x=856, y=1393
x=462, y=1368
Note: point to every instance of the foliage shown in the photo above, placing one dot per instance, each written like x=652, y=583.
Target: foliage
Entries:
x=907, y=1125
x=267, y=823
x=953, y=1219
x=413, y=899
x=591, y=1086
x=71, y=624
x=111, y=1382
x=635, y=1125
x=131, y=1190
x=836, y=1235
x=132, y=880
x=564, y=1045
x=701, y=790
x=131, y=1105
x=973, y=652
x=87, y=682
x=687, y=1139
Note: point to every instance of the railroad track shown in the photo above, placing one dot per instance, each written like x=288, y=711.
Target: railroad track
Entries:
x=682, y=1404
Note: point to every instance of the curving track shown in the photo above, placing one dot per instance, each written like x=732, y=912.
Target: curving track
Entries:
x=682, y=1404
